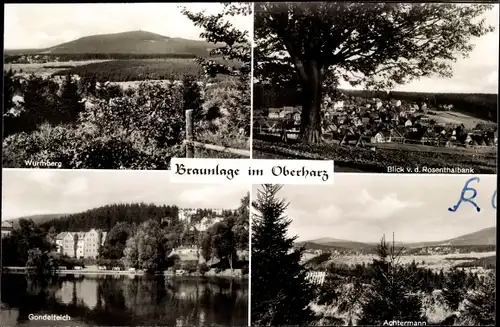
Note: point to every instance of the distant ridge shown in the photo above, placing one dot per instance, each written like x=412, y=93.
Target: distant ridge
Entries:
x=486, y=236
x=132, y=42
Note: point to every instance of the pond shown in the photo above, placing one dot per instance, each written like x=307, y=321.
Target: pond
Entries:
x=108, y=300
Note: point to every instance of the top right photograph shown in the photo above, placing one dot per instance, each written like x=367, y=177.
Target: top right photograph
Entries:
x=377, y=87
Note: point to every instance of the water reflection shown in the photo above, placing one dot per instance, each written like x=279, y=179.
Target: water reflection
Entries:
x=125, y=300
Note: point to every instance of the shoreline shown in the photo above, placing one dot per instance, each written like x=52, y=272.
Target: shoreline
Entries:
x=23, y=271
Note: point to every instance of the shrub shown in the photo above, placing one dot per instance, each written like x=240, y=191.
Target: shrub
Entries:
x=203, y=268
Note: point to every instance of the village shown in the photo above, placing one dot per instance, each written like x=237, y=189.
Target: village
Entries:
x=86, y=246
x=356, y=120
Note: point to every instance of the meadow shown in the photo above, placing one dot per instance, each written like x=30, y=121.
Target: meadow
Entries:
x=46, y=69
x=433, y=262
x=136, y=70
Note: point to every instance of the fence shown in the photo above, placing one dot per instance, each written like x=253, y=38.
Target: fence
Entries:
x=191, y=144
x=316, y=277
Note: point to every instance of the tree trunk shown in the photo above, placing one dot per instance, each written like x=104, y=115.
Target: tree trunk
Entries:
x=231, y=262
x=310, y=129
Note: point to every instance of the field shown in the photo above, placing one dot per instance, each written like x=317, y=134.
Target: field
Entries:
x=367, y=160
x=434, y=262
x=47, y=68
x=137, y=70
x=457, y=118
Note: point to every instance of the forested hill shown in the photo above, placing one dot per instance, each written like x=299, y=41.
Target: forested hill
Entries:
x=107, y=216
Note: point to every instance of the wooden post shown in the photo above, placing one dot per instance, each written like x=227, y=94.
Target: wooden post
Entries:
x=189, y=134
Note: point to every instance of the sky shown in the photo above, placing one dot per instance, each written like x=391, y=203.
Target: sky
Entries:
x=476, y=74
x=42, y=191
x=44, y=25
x=362, y=207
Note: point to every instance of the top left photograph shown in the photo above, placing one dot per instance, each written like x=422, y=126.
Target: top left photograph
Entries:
x=125, y=85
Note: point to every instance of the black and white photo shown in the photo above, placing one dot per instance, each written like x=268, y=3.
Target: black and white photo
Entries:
x=375, y=250
x=377, y=87
x=122, y=248
x=125, y=85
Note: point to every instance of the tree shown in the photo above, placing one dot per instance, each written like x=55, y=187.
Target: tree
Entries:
x=230, y=57
x=281, y=293
x=206, y=247
x=241, y=224
x=148, y=248
x=454, y=288
x=312, y=45
x=391, y=296
x=480, y=304
x=233, y=44
x=70, y=104
x=116, y=241
x=28, y=237
x=223, y=242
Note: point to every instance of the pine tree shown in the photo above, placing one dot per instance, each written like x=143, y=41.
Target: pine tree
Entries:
x=454, y=288
x=390, y=297
x=480, y=304
x=281, y=293
x=69, y=101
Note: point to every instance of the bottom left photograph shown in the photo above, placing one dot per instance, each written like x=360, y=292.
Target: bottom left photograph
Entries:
x=122, y=248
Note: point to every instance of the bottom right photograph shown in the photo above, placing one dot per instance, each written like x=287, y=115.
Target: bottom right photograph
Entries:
x=390, y=250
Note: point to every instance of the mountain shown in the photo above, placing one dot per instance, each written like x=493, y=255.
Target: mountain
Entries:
x=133, y=42
x=37, y=219
x=482, y=237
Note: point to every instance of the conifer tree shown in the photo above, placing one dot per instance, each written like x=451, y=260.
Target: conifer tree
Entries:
x=390, y=297
x=454, y=288
x=480, y=304
x=281, y=293
x=69, y=101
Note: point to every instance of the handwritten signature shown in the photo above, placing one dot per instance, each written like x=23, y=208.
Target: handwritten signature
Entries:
x=469, y=198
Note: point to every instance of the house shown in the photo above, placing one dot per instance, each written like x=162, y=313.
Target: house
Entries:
x=429, y=137
x=396, y=136
x=68, y=243
x=338, y=105
x=7, y=228
x=381, y=137
x=468, y=139
x=408, y=123
x=92, y=243
x=60, y=242
x=274, y=113
x=365, y=120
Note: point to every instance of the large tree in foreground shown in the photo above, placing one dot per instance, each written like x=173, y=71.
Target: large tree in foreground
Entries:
x=376, y=45
x=281, y=293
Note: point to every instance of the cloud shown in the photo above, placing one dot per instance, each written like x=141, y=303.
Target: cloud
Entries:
x=45, y=177
x=77, y=186
x=206, y=195
x=381, y=209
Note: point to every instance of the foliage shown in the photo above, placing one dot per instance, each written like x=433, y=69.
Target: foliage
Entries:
x=311, y=45
x=391, y=297
x=280, y=292
x=203, y=268
x=26, y=244
x=116, y=240
x=480, y=304
x=454, y=289
x=234, y=45
x=148, y=248
x=106, y=217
